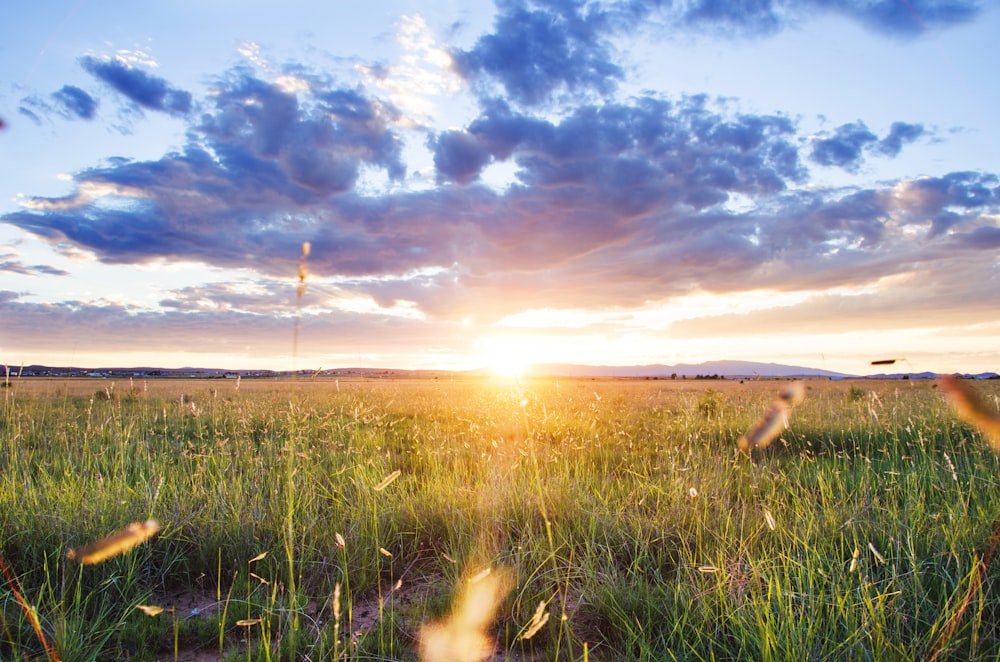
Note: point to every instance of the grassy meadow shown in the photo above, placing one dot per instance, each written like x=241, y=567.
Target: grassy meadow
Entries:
x=548, y=519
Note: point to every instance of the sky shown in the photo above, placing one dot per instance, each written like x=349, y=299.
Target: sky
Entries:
x=808, y=182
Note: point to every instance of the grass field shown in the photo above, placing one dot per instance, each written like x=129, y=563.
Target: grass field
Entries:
x=542, y=520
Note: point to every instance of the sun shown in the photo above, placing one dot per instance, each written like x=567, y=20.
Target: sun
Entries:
x=505, y=367
x=507, y=356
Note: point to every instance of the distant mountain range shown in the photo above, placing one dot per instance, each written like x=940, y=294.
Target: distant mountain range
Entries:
x=707, y=370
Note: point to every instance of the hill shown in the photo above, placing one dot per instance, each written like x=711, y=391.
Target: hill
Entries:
x=727, y=368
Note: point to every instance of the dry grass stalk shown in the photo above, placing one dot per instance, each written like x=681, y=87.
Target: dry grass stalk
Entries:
x=303, y=269
x=775, y=420
x=248, y=622
x=463, y=635
x=300, y=292
x=153, y=610
x=971, y=407
x=336, y=603
x=29, y=612
x=388, y=480
x=115, y=544
x=538, y=621
x=481, y=575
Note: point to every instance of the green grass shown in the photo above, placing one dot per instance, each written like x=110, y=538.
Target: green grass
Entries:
x=623, y=506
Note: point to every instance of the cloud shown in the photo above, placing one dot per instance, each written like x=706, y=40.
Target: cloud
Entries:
x=118, y=330
x=15, y=266
x=76, y=103
x=320, y=145
x=681, y=152
x=763, y=17
x=908, y=18
x=946, y=292
x=28, y=108
x=900, y=134
x=143, y=89
x=759, y=17
x=459, y=157
x=847, y=147
x=255, y=179
x=844, y=149
x=538, y=49
x=611, y=204
x=69, y=102
x=985, y=237
x=944, y=202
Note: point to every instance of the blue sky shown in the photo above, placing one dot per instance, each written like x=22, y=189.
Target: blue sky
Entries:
x=627, y=182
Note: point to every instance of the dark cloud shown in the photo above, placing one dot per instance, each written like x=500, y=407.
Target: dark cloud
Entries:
x=963, y=190
x=69, y=102
x=76, y=103
x=904, y=17
x=459, y=157
x=845, y=147
x=753, y=16
x=612, y=204
x=848, y=145
x=901, y=18
x=540, y=48
x=650, y=150
x=253, y=182
x=945, y=201
x=146, y=90
x=984, y=237
x=900, y=134
x=321, y=146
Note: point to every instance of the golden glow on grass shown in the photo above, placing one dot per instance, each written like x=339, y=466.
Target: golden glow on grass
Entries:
x=464, y=635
